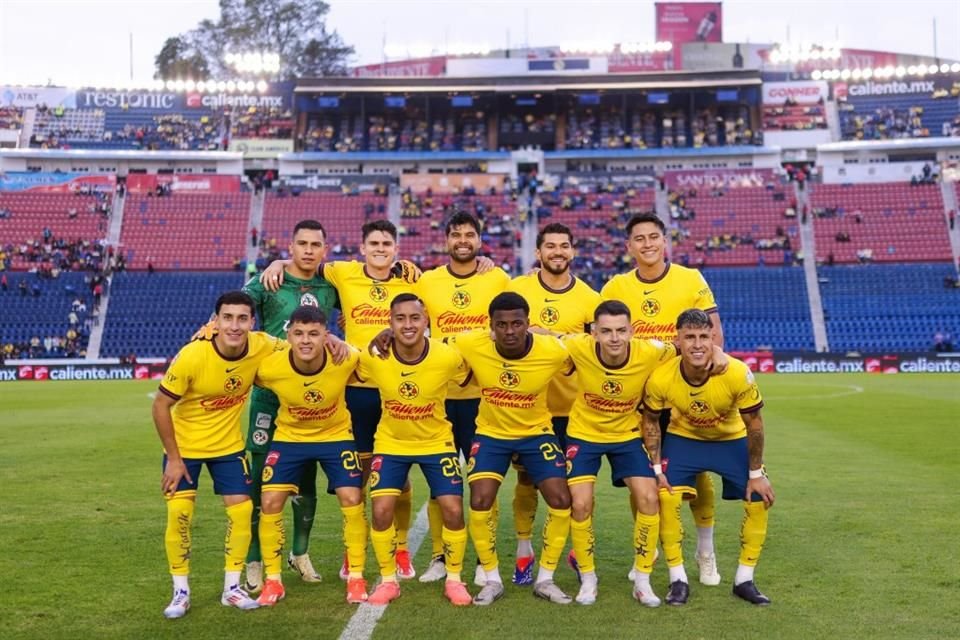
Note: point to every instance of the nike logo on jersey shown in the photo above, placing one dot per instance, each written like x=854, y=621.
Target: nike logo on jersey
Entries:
x=456, y=481
x=646, y=293
x=307, y=384
x=695, y=393
x=404, y=374
x=354, y=474
x=611, y=374
x=548, y=300
x=457, y=286
x=232, y=370
x=507, y=365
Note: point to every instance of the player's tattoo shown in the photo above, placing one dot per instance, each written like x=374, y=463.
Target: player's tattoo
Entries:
x=651, y=435
x=754, y=439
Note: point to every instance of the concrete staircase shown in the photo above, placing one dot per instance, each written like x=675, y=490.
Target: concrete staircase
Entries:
x=809, y=247
x=113, y=239
x=255, y=222
x=950, y=204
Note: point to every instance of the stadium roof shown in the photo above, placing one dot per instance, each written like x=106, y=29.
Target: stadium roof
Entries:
x=119, y=154
x=672, y=80
x=901, y=144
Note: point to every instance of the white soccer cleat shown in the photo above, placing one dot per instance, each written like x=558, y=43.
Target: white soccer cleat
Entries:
x=179, y=606
x=237, y=597
x=587, y=593
x=254, y=580
x=645, y=596
x=491, y=592
x=632, y=574
x=436, y=571
x=708, y=569
x=480, y=576
x=548, y=590
x=303, y=566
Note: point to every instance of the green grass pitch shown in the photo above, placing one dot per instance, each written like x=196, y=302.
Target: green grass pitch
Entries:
x=863, y=539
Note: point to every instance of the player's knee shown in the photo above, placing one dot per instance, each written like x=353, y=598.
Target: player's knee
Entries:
x=272, y=502
x=349, y=497
x=452, y=514
x=557, y=498
x=382, y=516
x=647, y=501
x=581, y=506
x=481, y=500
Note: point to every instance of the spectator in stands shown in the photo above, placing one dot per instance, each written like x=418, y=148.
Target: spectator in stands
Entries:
x=36, y=290
x=23, y=287
x=4, y=284
x=953, y=218
x=253, y=237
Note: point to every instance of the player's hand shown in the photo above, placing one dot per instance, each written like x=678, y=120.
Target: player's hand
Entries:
x=763, y=487
x=272, y=276
x=533, y=271
x=719, y=363
x=206, y=332
x=542, y=331
x=380, y=345
x=662, y=483
x=173, y=472
x=338, y=349
x=406, y=271
x=485, y=264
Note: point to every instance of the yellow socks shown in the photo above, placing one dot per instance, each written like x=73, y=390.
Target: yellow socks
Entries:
x=646, y=533
x=555, y=532
x=272, y=538
x=239, y=533
x=524, y=510
x=177, y=538
x=483, y=532
x=454, y=548
x=385, y=547
x=355, y=538
x=704, y=506
x=435, y=519
x=583, y=539
x=401, y=517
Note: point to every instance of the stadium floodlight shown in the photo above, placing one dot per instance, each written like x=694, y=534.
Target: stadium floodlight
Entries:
x=944, y=68
x=178, y=85
x=845, y=74
x=955, y=67
x=889, y=70
x=262, y=86
x=221, y=86
x=189, y=85
x=912, y=69
x=817, y=74
x=933, y=68
x=900, y=71
x=231, y=86
x=855, y=74
x=171, y=85
x=867, y=73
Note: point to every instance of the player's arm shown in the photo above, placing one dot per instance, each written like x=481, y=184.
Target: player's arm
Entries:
x=175, y=469
x=650, y=428
x=406, y=271
x=381, y=343
x=717, y=329
x=272, y=276
x=758, y=482
x=338, y=349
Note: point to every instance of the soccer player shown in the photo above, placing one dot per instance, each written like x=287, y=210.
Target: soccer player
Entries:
x=197, y=416
x=313, y=426
x=413, y=381
x=561, y=303
x=457, y=296
x=715, y=425
x=514, y=369
x=612, y=367
x=301, y=286
x=365, y=290
x=656, y=292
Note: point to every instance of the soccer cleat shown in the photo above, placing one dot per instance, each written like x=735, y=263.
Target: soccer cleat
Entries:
x=345, y=568
x=436, y=571
x=456, y=592
x=405, y=570
x=679, y=593
x=179, y=606
x=708, y=569
x=273, y=592
x=356, y=590
x=587, y=593
x=254, y=581
x=645, y=596
x=548, y=590
x=748, y=591
x=523, y=572
x=303, y=566
x=384, y=593
x=480, y=576
x=491, y=592
x=237, y=597
x=572, y=561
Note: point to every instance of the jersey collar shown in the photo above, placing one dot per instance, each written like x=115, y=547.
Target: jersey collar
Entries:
x=573, y=282
x=596, y=348
x=243, y=354
x=308, y=374
x=660, y=277
x=463, y=277
x=420, y=358
x=526, y=349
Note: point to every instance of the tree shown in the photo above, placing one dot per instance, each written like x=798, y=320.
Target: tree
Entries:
x=295, y=30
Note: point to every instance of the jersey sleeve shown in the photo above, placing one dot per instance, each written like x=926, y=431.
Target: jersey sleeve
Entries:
x=608, y=291
x=333, y=273
x=748, y=393
x=705, y=299
x=363, y=370
x=654, y=394
x=662, y=351
x=179, y=374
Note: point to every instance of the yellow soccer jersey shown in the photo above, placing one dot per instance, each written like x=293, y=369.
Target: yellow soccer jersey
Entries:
x=210, y=391
x=710, y=411
x=459, y=303
x=365, y=301
x=312, y=405
x=412, y=395
x=569, y=310
x=513, y=392
x=605, y=409
x=655, y=304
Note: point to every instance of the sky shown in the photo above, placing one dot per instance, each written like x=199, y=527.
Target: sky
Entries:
x=83, y=42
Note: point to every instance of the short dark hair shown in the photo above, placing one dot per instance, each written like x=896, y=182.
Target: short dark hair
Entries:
x=378, y=225
x=611, y=308
x=694, y=319
x=307, y=314
x=312, y=225
x=508, y=301
x=461, y=218
x=236, y=297
x=640, y=218
x=405, y=297
x=554, y=227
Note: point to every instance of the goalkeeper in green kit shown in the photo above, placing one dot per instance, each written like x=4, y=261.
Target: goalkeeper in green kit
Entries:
x=301, y=287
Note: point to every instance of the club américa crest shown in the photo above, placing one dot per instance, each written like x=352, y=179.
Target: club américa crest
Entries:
x=509, y=379
x=408, y=390
x=460, y=299
x=549, y=316
x=378, y=293
x=611, y=387
x=232, y=383
x=650, y=307
x=312, y=396
x=699, y=407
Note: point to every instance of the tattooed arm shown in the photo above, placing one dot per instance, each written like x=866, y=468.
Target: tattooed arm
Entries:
x=652, y=443
x=760, y=485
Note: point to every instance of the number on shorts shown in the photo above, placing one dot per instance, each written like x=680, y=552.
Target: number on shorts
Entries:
x=550, y=451
x=450, y=467
x=350, y=460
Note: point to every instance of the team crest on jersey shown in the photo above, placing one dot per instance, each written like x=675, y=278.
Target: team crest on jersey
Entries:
x=312, y=396
x=699, y=407
x=572, y=451
x=408, y=390
x=509, y=379
x=260, y=437
x=309, y=300
x=650, y=307
x=611, y=387
x=374, y=479
x=460, y=299
x=549, y=316
x=378, y=293
x=233, y=383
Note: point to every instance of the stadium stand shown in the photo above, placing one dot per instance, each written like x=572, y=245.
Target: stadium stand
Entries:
x=888, y=306
x=794, y=117
x=59, y=127
x=153, y=315
x=762, y=308
x=35, y=322
x=254, y=122
x=11, y=118
x=897, y=116
x=887, y=222
x=185, y=230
